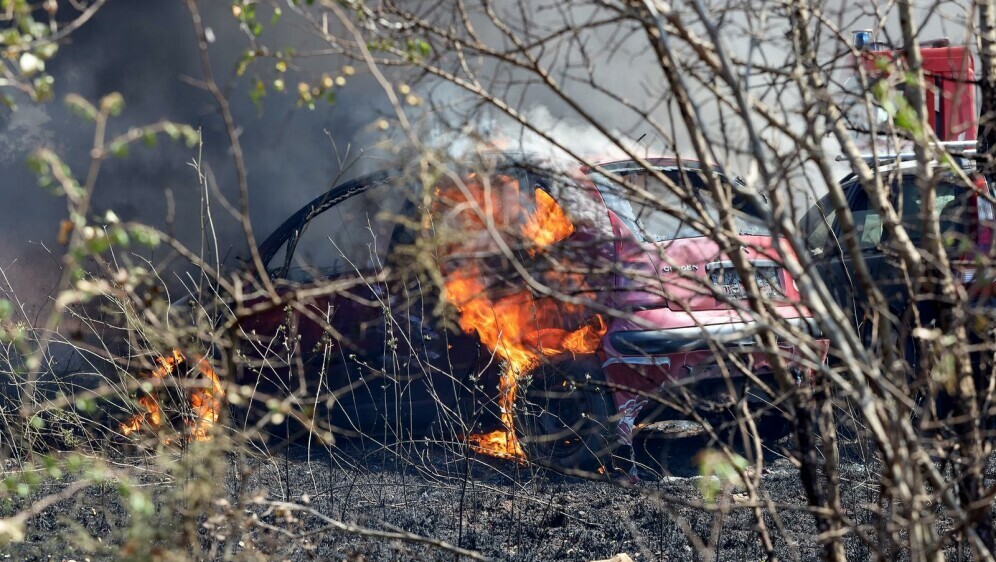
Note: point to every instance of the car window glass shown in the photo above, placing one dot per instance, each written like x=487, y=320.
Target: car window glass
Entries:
x=582, y=207
x=816, y=226
x=951, y=208
x=869, y=227
x=867, y=222
x=476, y=202
x=533, y=209
x=278, y=260
x=655, y=213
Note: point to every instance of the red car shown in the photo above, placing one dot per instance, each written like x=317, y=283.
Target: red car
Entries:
x=579, y=300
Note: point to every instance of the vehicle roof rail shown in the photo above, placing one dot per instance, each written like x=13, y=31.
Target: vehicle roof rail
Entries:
x=957, y=148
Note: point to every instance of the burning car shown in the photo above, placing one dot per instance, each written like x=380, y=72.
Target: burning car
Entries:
x=587, y=304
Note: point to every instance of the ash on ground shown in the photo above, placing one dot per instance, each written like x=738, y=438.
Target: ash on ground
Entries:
x=501, y=509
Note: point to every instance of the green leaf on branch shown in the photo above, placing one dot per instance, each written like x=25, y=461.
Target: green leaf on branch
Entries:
x=191, y=136
x=112, y=104
x=149, y=138
x=718, y=470
x=145, y=236
x=43, y=90
x=47, y=50
x=10, y=36
x=172, y=130
x=81, y=107
x=417, y=49
x=118, y=148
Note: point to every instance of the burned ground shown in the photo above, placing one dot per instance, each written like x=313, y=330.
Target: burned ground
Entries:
x=501, y=509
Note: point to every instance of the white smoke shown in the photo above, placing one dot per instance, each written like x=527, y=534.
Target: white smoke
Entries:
x=547, y=138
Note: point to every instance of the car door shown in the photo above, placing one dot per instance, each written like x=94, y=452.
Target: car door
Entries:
x=819, y=231
x=371, y=342
x=833, y=259
x=955, y=209
x=870, y=234
x=345, y=240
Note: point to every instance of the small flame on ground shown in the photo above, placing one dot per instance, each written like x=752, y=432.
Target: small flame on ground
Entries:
x=205, y=403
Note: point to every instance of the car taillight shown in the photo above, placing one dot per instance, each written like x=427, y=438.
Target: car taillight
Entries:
x=984, y=214
x=981, y=280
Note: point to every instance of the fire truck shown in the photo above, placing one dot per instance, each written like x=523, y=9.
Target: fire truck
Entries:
x=949, y=76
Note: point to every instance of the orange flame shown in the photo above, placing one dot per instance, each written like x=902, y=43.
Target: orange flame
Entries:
x=508, y=326
x=152, y=416
x=205, y=403
x=519, y=327
x=549, y=223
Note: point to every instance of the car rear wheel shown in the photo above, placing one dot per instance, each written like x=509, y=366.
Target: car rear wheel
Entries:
x=768, y=421
x=564, y=416
x=773, y=426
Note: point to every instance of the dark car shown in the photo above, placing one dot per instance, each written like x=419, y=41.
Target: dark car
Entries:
x=965, y=218
x=578, y=298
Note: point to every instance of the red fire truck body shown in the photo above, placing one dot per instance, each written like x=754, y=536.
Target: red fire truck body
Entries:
x=949, y=76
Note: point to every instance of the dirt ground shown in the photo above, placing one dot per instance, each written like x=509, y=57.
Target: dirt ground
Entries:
x=504, y=510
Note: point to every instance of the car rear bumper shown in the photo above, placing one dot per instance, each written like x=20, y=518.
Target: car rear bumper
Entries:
x=642, y=347
x=641, y=363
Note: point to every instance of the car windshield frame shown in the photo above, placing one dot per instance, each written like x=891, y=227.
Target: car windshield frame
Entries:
x=286, y=238
x=614, y=195
x=290, y=231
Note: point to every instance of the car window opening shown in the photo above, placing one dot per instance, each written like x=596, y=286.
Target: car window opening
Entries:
x=350, y=236
x=357, y=234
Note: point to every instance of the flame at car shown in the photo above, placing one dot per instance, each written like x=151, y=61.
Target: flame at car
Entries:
x=205, y=401
x=519, y=327
x=549, y=224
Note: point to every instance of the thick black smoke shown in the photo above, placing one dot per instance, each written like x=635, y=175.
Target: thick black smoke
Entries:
x=147, y=51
